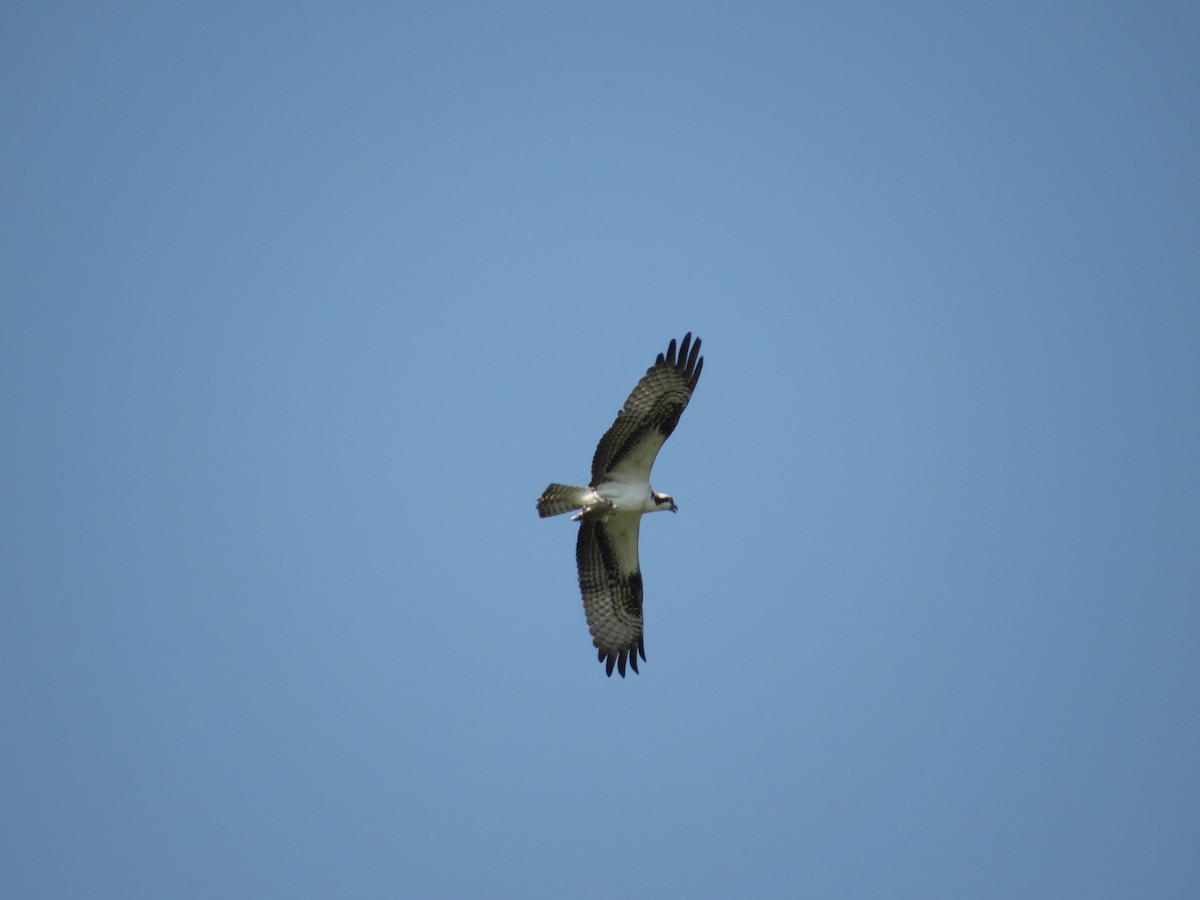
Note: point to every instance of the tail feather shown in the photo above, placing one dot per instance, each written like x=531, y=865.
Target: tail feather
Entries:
x=560, y=498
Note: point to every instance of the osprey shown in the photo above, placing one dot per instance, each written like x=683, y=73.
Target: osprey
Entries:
x=612, y=506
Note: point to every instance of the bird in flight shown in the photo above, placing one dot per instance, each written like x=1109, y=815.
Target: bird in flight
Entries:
x=612, y=506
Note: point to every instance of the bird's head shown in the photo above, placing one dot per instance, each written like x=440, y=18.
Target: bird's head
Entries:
x=663, y=501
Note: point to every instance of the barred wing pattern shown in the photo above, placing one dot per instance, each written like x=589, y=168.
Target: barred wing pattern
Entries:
x=611, y=583
x=629, y=447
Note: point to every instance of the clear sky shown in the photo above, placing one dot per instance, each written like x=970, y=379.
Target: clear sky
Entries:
x=303, y=305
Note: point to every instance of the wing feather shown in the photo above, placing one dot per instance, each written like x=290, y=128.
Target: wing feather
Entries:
x=611, y=583
x=629, y=447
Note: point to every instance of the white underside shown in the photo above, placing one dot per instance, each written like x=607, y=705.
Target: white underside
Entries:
x=627, y=497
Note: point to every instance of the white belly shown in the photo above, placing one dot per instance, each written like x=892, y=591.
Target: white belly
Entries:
x=627, y=497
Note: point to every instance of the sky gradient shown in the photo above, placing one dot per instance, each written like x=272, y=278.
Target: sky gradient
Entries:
x=304, y=304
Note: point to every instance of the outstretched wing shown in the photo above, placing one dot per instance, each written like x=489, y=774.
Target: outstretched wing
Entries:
x=611, y=583
x=629, y=447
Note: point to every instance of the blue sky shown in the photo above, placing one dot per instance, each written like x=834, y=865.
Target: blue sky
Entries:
x=304, y=305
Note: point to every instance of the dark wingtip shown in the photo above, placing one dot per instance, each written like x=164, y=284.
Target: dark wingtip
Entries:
x=694, y=361
x=684, y=355
x=683, y=347
x=619, y=661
